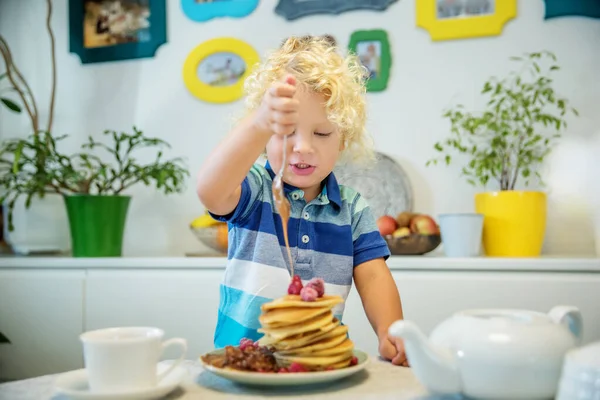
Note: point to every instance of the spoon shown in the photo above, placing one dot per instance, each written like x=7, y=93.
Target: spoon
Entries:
x=282, y=204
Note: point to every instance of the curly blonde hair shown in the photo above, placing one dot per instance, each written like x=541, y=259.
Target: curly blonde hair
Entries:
x=316, y=62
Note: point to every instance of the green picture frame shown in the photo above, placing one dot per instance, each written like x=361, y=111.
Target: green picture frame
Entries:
x=373, y=49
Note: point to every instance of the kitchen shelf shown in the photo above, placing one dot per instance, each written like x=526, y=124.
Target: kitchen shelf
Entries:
x=395, y=263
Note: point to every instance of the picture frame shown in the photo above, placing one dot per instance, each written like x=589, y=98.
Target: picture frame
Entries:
x=203, y=10
x=116, y=30
x=215, y=70
x=295, y=9
x=572, y=8
x=373, y=49
x=452, y=19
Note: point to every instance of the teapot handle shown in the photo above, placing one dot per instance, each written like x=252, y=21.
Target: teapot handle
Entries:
x=571, y=317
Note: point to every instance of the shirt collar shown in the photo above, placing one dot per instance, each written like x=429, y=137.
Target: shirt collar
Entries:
x=330, y=192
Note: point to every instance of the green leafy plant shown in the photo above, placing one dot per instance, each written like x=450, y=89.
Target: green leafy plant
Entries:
x=517, y=129
x=85, y=172
x=6, y=101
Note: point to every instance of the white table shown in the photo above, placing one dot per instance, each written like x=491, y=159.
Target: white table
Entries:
x=380, y=380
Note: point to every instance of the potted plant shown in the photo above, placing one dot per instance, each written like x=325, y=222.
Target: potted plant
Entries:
x=30, y=235
x=93, y=189
x=506, y=144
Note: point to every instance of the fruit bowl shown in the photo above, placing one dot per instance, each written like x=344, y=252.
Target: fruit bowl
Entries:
x=413, y=244
x=214, y=236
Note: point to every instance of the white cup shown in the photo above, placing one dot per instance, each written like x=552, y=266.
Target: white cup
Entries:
x=125, y=358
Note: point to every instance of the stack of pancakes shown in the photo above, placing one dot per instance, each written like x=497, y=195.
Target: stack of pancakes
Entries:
x=306, y=333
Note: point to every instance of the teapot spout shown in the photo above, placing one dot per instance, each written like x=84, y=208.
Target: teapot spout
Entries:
x=435, y=367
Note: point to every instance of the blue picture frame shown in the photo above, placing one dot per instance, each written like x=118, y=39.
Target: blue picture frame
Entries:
x=572, y=8
x=145, y=33
x=294, y=9
x=204, y=11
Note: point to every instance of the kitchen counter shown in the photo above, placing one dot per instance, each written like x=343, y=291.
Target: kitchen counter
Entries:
x=380, y=380
x=395, y=263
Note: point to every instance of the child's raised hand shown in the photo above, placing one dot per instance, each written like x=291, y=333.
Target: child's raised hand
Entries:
x=278, y=112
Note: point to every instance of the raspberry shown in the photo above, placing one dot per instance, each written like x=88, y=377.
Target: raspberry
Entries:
x=296, y=286
x=296, y=278
x=330, y=368
x=246, y=343
x=308, y=294
x=283, y=370
x=318, y=284
x=296, y=367
x=354, y=361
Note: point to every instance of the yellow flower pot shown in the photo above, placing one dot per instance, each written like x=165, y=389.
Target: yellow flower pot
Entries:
x=514, y=222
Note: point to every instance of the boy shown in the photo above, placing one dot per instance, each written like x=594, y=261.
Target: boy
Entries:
x=309, y=92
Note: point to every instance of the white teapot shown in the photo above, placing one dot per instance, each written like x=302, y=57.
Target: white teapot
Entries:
x=493, y=353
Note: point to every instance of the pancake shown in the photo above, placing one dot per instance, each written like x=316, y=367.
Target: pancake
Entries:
x=301, y=339
x=318, y=346
x=308, y=340
x=312, y=324
x=284, y=316
x=311, y=362
x=294, y=301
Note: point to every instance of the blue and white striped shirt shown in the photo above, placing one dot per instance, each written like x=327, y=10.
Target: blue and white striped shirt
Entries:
x=328, y=237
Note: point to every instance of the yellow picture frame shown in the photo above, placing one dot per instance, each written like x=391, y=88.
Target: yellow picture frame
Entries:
x=223, y=83
x=441, y=26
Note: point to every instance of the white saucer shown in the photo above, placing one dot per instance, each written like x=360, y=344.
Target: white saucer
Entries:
x=74, y=385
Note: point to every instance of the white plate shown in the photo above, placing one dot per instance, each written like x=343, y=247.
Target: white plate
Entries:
x=385, y=185
x=288, y=378
x=74, y=385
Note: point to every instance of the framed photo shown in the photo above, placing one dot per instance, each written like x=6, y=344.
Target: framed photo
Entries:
x=580, y=8
x=460, y=19
x=294, y=9
x=215, y=70
x=111, y=30
x=373, y=49
x=204, y=10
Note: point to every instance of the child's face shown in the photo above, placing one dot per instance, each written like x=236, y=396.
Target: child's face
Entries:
x=312, y=150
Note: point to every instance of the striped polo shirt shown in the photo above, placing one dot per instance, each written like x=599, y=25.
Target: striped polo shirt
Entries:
x=328, y=237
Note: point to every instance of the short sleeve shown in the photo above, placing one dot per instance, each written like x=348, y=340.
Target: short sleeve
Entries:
x=368, y=243
x=251, y=194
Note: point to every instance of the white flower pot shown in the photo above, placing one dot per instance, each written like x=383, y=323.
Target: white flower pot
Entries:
x=43, y=228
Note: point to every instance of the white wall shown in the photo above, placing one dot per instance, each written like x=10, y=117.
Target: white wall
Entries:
x=405, y=119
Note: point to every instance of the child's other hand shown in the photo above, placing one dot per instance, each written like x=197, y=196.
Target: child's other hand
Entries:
x=392, y=349
x=278, y=112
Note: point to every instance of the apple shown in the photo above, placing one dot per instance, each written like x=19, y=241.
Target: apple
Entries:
x=403, y=219
x=386, y=224
x=424, y=225
x=401, y=232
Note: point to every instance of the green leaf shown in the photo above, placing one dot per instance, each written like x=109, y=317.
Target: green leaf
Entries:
x=11, y=105
x=3, y=338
